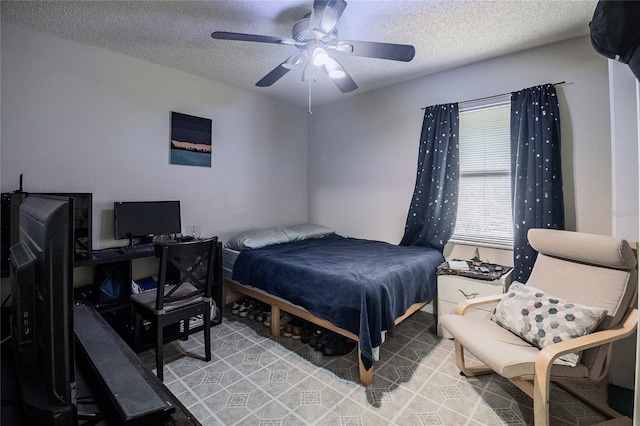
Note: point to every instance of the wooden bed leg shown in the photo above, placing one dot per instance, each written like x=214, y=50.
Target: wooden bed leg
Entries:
x=275, y=321
x=366, y=377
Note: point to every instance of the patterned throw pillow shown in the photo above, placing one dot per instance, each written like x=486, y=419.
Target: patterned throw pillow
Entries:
x=542, y=320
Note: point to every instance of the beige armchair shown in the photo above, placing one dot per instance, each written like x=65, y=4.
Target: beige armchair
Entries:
x=591, y=273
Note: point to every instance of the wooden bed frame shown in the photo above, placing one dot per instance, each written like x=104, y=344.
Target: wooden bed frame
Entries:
x=277, y=303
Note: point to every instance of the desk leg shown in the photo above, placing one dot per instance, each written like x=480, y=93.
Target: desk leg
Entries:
x=224, y=297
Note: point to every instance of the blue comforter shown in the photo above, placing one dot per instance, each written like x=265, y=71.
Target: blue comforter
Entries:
x=359, y=285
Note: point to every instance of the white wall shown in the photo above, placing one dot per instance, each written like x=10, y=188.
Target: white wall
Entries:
x=624, y=151
x=363, y=150
x=81, y=119
x=624, y=208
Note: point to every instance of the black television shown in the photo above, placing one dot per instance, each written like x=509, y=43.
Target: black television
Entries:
x=42, y=314
x=146, y=219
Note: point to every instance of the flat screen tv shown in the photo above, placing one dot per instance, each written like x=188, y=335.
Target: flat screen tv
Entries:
x=42, y=318
x=145, y=219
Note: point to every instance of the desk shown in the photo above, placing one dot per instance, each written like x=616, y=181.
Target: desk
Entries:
x=117, y=313
x=102, y=260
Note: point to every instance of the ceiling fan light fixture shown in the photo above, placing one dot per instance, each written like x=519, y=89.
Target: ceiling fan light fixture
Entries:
x=334, y=69
x=345, y=47
x=320, y=56
x=294, y=61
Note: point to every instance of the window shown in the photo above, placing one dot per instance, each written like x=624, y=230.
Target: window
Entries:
x=484, y=196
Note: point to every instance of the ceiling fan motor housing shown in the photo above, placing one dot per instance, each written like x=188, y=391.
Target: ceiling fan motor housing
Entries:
x=301, y=32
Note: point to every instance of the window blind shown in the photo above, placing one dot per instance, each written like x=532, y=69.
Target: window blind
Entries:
x=484, y=196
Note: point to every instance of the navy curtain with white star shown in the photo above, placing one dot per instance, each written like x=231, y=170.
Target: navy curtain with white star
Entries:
x=432, y=213
x=536, y=173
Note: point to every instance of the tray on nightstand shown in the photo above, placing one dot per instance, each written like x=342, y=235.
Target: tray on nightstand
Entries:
x=454, y=288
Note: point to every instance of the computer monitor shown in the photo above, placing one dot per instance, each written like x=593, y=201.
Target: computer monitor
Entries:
x=10, y=234
x=145, y=219
x=82, y=218
x=42, y=316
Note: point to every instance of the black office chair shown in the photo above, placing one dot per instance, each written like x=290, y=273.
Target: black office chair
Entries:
x=185, y=280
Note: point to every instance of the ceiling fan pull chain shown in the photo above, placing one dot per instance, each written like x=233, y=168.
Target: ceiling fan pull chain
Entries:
x=309, y=110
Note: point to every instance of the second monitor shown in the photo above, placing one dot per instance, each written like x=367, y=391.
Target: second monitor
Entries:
x=145, y=219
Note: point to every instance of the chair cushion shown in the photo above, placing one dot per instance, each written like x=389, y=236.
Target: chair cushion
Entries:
x=594, y=249
x=542, y=319
x=148, y=298
x=501, y=350
x=593, y=270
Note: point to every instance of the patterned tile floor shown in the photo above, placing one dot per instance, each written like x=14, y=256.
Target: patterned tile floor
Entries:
x=254, y=379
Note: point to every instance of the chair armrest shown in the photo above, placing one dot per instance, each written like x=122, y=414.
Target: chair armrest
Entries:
x=470, y=303
x=547, y=355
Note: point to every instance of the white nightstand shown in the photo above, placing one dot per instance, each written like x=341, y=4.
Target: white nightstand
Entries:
x=453, y=289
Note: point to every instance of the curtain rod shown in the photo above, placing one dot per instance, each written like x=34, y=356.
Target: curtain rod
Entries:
x=497, y=96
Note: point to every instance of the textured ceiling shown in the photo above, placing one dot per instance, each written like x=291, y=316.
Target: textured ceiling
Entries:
x=177, y=34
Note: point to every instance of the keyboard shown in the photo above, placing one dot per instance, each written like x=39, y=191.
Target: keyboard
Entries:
x=114, y=251
x=136, y=248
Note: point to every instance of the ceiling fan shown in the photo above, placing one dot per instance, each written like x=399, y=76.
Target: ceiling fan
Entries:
x=316, y=37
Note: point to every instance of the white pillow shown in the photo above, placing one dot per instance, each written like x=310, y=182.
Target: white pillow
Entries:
x=257, y=238
x=309, y=230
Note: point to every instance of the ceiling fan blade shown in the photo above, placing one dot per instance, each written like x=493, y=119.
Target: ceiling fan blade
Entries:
x=331, y=15
x=345, y=84
x=223, y=35
x=372, y=49
x=273, y=76
x=316, y=13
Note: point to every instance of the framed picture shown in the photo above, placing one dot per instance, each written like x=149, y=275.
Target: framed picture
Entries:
x=190, y=140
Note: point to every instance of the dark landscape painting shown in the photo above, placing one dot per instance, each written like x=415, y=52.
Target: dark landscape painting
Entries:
x=190, y=140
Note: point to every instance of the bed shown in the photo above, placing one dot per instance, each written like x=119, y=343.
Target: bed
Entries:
x=355, y=287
